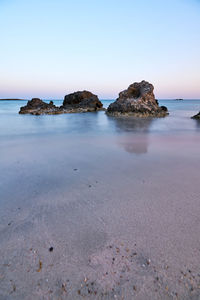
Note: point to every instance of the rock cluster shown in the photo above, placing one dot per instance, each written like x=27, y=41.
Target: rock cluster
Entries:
x=76, y=102
x=138, y=100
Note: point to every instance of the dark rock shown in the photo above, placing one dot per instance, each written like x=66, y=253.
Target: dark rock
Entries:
x=197, y=117
x=138, y=100
x=37, y=107
x=81, y=102
x=164, y=108
x=76, y=102
x=13, y=99
x=50, y=249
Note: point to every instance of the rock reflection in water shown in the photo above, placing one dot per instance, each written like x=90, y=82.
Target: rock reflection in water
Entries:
x=135, y=144
x=197, y=123
x=136, y=129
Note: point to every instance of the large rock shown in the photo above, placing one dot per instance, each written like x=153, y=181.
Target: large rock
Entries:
x=81, y=102
x=37, y=107
x=138, y=100
x=197, y=117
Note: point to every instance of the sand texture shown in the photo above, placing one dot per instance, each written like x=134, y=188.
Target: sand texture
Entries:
x=100, y=217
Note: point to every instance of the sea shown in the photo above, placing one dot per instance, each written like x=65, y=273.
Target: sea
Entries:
x=179, y=121
x=86, y=184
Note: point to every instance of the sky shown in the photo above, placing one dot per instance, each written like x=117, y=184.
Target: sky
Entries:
x=49, y=48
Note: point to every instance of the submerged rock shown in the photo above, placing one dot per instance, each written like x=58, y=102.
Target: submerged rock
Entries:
x=138, y=100
x=37, y=107
x=197, y=117
x=81, y=102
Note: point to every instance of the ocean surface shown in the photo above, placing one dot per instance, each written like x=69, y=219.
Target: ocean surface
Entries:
x=12, y=124
x=116, y=198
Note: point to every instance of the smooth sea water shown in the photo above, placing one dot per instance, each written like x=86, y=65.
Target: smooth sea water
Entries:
x=12, y=124
x=86, y=184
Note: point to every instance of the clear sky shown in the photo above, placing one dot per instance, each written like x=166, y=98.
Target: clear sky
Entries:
x=49, y=48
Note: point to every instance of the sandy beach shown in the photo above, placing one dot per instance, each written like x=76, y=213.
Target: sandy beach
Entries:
x=100, y=216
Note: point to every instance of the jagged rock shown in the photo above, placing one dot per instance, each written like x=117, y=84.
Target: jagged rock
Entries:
x=76, y=102
x=197, y=117
x=138, y=100
x=81, y=102
x=37, y=107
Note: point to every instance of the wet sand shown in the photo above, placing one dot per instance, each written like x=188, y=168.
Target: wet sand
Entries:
x=108, y=217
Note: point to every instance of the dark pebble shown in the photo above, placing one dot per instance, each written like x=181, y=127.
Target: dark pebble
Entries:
x=50, y=249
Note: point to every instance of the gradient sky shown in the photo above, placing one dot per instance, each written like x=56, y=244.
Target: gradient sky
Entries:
x=52, y=47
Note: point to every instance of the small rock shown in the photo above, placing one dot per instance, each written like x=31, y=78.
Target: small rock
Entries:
x=37, y=107
x=148, y=261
